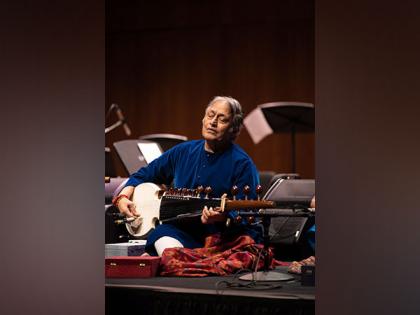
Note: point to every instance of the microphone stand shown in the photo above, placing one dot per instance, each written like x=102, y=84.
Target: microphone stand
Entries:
x=110, y=109
x=266, y=274
x=113, y=126
x=120, y=121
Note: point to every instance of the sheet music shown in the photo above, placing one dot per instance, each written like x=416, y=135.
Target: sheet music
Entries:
x=257, y=126
x=150, y=151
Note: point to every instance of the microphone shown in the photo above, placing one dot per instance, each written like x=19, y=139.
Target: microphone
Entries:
x=122, y=119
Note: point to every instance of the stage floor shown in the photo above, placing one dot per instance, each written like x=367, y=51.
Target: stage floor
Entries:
x=208, y=295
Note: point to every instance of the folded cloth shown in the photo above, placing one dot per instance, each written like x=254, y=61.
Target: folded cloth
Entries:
x=218, y=257
x=295, y=266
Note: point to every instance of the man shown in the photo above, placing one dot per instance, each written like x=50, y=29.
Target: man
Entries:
x=215, y=161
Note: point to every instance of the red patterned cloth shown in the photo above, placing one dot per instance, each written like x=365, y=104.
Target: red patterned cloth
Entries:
x=217, y=258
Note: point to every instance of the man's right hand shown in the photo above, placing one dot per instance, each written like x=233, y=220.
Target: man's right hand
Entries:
x=127, y=207
x=124, y=204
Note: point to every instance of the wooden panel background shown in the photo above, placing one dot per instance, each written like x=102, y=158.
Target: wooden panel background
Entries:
x=166, y=59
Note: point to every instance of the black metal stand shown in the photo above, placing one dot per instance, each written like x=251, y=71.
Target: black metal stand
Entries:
x=281, y=117
x=266, y=274
x=293, y=140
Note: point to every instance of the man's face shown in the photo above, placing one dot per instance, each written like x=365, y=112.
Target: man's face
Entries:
x=217, y=122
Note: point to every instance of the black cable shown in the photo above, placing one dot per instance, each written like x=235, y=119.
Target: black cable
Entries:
x=248, y=285
x=253, y=284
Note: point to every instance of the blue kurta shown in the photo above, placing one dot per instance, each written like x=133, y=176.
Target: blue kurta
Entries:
x=311, y=236
x=188, y=165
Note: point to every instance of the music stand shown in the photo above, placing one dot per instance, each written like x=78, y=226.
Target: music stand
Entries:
x=165, y=140
x=130, y=154
x=289, y=195
x=281, y=117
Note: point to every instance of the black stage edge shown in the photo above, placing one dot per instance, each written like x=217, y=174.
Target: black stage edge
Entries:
x=184, y=295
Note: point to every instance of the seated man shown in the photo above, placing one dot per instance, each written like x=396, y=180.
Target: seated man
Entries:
x=214, y=161
x=311, y=232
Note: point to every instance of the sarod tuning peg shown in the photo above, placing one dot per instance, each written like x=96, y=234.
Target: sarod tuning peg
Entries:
x=259, y=190
x=238, y=219
x=250, y=219
x=207, y=191
x=200, y=189
x=234, y=191
x=247, y=190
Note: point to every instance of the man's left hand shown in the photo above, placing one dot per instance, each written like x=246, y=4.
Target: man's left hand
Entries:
x=210, y=215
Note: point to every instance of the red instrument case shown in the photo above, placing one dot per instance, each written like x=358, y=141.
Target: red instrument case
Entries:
x=131, y=266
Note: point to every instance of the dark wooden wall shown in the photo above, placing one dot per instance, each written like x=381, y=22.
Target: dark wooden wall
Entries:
x=166, y=59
